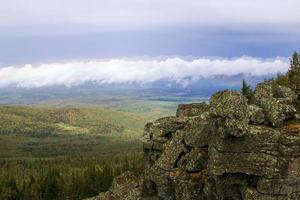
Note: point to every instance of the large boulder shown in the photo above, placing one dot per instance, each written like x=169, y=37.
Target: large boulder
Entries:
x=276, y=102
x=280, y=186
x=164, y=127
x=277, y=112
x=257, y=115
x=194, y=161
x=190, y=110
x=159, y=182
x=230, y=108
x=125, y=186
x=196, y=131
x=173, y=149
x=189, y=185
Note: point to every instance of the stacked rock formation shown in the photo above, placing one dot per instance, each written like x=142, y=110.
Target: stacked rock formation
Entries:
x=226, y=149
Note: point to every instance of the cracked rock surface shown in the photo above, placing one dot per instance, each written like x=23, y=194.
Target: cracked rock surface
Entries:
x=224, y=149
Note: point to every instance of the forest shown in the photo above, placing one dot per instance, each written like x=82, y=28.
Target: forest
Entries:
x=65, y=153
x=73, y=177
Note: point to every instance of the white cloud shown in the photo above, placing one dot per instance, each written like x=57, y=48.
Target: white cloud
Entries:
x=139, y=71
x=148, y=14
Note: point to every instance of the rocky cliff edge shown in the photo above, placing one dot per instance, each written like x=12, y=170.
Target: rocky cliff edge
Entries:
x=224, y=149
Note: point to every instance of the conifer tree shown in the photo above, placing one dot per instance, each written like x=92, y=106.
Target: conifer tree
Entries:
x=294, y=73
x=247, y=92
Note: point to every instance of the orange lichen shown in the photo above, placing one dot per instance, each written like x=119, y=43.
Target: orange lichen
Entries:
x=201, y=176
x=176, y=173
x=292, y=129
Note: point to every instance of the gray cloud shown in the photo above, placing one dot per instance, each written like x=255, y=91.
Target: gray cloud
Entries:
x=56, y=16
x=138, y=70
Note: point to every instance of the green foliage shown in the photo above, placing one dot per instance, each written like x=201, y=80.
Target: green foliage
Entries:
x=292, y=78
x=74, y=177
x=248, y=92
x=8, y=189
x=294, y=73
x=49, y=185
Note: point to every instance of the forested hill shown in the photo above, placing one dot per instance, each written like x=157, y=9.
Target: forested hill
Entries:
x=40, y=121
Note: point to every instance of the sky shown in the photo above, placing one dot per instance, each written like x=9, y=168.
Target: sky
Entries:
x=63, y=32
x=52, y=30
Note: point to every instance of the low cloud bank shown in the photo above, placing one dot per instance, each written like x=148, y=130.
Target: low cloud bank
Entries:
x=134, y=71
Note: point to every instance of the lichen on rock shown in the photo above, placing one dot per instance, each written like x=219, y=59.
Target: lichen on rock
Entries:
x=226, y=149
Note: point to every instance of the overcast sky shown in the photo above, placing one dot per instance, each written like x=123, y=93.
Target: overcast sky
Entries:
x=37, y=31
x=68, y=42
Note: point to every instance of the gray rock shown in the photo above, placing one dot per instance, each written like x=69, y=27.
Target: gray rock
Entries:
x=173, y=149
x=164, y=127
x=232, y=109
x=257, y=115
x=189, y=185
x=276, y=112
x=276, y=102
x=194, y=161
x=281, y=186
x=190, y=110
x=196, y=131
x=125, y=186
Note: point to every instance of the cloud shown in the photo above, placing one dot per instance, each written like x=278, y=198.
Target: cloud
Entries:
x=121, y=71
x=108, y=15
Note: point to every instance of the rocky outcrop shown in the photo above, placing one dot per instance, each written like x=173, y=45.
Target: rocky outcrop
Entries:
x=126, y=187
x=225, y=149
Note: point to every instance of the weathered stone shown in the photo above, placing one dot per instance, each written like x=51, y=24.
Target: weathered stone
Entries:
x=189, y=185
x=229, y=104
x=252, y=194
x=276, y=103
x=259, y=139
x=232, y=108
x=258, y=164
x=196, y=131
x=235, y=128
x=232, y=151
x=157, y=146
x=257, y=115
x=263, y=91
x=276, y=112
x=190, y=110
x=278, y=186
x=149, y=189
x=164, y=127
x=228, y=186
x=173, y=149
x=290, y=141
x=153, y=145
x=150, y=157
x=160, y=179
x=148, y=145
x=125, y=186
x=195, y=160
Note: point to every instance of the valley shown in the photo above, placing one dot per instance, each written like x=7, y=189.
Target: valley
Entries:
x=62, y=149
